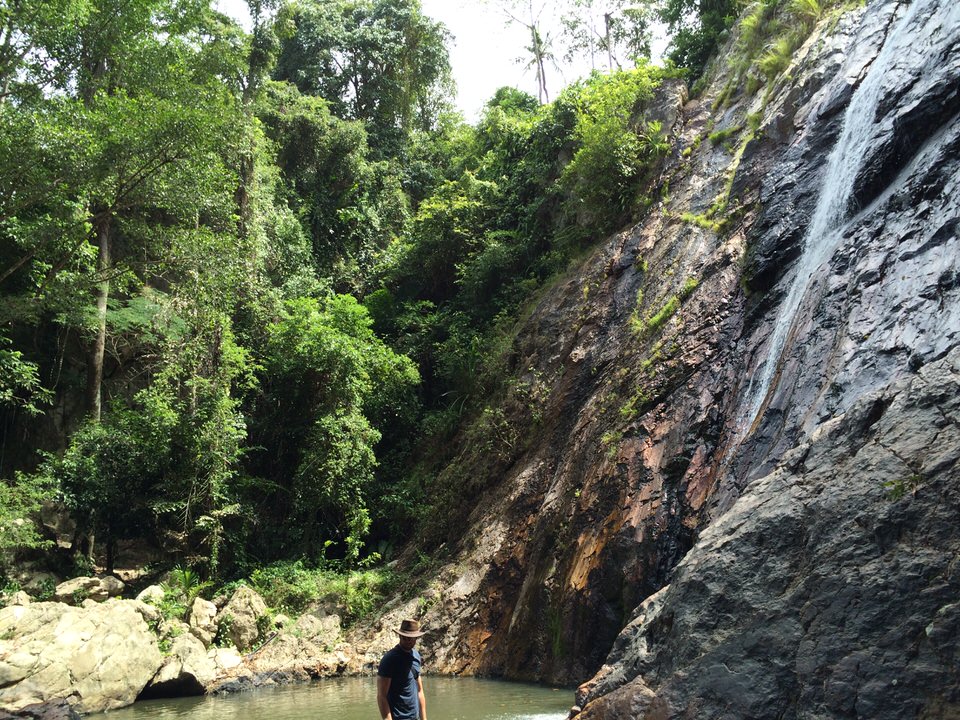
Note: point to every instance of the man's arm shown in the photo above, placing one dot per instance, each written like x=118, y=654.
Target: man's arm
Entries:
x=383, y=687
x=422, y=699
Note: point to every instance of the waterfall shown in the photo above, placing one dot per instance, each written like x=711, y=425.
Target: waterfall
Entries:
x=825, y=231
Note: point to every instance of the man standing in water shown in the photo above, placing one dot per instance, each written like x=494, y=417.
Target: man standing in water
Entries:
x=399, y=687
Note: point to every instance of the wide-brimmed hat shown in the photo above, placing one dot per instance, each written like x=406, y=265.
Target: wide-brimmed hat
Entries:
x=410, y=628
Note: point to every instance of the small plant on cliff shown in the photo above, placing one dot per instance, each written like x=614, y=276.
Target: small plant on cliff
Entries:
x=777, y=57
x=896, y=489
x=666, y=312
x=720, y=137
x=809, y=11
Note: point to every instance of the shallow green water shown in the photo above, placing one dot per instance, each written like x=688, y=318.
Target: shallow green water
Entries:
x=356, y=699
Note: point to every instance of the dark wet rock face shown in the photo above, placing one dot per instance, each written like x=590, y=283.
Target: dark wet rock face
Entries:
x=825, y=581
x=884, y=302
x=752, y=539
x=55, y=710
x=830, y=588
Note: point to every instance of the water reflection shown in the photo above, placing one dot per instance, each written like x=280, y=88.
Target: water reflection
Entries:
x=355, y=699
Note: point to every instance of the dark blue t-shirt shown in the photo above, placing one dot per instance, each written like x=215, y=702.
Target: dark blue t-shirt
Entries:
x=403, y=669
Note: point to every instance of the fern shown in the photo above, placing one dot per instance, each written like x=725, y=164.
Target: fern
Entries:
x=777, y=58
x=808, y=11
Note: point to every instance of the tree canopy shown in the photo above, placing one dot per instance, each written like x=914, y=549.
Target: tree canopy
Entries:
x=252, y=282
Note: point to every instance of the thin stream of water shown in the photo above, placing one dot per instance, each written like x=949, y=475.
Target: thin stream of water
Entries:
x=356, y=699
x=825, y=231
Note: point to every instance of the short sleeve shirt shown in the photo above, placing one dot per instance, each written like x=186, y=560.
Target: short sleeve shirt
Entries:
x=403, y=669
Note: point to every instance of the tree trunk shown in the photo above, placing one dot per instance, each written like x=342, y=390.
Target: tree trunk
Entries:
x=538, y=54
x=606, y=24
x=244, y=189
x=95, y=359
x=111, y=553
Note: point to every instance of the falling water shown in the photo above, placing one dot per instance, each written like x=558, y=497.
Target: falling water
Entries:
x=826, y=226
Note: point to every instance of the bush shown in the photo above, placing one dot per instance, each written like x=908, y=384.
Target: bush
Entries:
x=20, y=502
x=293, y=586
x=327, y=379
x=615, y=149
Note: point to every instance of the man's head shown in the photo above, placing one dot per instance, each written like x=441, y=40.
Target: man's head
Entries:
x=409, y=633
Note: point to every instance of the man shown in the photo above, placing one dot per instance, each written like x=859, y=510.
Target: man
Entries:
x=399, y=687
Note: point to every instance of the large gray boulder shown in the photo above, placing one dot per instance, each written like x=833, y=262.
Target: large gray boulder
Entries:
x=203, y=620
x=99, y=657
x=240, y=616
x=152, y=594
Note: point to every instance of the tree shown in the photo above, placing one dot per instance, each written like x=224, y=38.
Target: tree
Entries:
x=129, y=93
x=697, y=28
x=29, y=29
x=326, y=377
x=615, y=149
x=117, y=126
x=380, y=61
x=611, y=27
x=529, y=15
x=352, y=207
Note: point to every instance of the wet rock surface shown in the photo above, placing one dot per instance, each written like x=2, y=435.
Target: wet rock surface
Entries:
x=55, y=710
x=830, y=587
x=644, y=441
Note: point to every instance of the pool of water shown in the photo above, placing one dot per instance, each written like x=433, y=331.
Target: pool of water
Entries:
x=356, y=699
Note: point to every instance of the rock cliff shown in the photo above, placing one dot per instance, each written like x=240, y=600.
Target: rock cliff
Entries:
x=734, y=457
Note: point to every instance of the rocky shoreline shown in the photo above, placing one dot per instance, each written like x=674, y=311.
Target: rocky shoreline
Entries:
x=62, y=660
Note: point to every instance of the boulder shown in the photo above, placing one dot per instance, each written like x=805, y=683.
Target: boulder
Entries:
x=20, y=598
x=240, y=615
x=34, y=579
x=151, y=594
x=203, y=620
x=187, y=670
x=311, y=647
x=101, y=657
x=323, y=629
x=148, y=612
x=57, y=521
x=109, y=587
x=75, y=591
x=55, y=710
x=78, y=589
x=225, y=659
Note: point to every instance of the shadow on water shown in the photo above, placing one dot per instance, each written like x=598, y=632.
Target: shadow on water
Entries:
x=355, y=699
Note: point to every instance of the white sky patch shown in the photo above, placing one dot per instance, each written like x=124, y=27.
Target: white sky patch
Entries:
x=484, y=53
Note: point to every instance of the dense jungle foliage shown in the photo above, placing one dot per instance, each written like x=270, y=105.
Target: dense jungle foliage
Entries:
x=253, y=282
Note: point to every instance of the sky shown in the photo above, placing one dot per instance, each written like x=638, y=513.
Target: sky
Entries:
x=483, y=52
